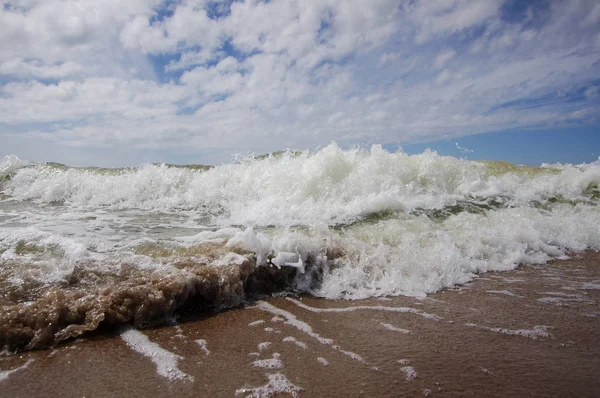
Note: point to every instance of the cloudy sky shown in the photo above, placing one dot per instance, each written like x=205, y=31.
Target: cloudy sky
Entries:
x=112, y=82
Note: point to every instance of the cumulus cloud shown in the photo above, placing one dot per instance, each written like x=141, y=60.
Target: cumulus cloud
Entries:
x=174, y=78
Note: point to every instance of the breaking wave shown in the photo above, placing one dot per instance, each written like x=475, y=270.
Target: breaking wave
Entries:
x=83, y=247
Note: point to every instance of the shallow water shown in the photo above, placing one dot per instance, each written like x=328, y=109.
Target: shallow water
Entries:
x=466, y=341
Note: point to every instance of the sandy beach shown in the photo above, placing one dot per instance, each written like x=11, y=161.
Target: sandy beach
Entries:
x=533, y=331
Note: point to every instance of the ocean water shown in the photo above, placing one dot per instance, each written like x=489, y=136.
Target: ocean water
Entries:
x=83, y=247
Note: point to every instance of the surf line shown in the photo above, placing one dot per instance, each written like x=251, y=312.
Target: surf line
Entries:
x=367, y=307
x=304, y=327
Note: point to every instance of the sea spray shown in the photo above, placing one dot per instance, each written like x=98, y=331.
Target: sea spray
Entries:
x=81, y=247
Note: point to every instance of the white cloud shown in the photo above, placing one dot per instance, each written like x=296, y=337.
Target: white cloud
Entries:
x=442, y=58
x=263, y=76
x=19, y=67
x=48, y=34
x=388, y=57
x=592, y=92
x=434, y=18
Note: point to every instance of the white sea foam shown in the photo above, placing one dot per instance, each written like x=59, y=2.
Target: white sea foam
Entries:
x=331, y=184
x=509, y=280
x=270, y=363
x=4, y=374
x=203, y=345
x=350, y=354
x=594, y=285
x=323, y=361
x=535, y=333
x=366, y=307
x=563, y=294
x=377, y=223
x=165, y=361
x=292, y=339
x=409, y=372
x=264, y=345
x=277, y=384
x=504, y=292
x=51, y=253
x=394, y=328
x=552, y=300
x=293, y=321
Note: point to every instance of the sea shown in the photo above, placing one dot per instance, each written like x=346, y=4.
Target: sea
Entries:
x=87, y=248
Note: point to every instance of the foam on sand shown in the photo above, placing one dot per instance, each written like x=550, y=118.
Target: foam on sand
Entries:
x=165, y=361
x=203, y=345
x=366, y=307
x=505, y=292
x=277, y=384
x=264, y=345
x=394, y=328
x=270, y=363
x=292, y=320
x=535, y=333
x=4, y=374
x=292, y=339
x=409, y=372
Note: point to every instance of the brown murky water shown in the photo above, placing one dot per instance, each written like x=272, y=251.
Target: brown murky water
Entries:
x=529, y=332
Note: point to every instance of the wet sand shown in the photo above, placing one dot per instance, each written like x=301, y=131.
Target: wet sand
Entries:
x=533, y=331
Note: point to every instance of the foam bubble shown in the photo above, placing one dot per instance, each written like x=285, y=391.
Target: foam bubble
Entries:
x=292, y=339
x=263, y=346
x=278, y=383
x=409, y=372
x=350, y=354
x=271, y=363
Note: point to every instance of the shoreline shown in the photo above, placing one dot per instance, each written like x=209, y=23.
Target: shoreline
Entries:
x=530, y=331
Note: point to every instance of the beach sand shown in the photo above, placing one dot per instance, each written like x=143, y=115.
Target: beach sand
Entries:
x=534, y=331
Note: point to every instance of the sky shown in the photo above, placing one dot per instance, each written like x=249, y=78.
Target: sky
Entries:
x=115, y=83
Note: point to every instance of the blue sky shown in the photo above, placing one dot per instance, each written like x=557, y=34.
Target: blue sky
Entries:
x=533, y=148
x=114, y=83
